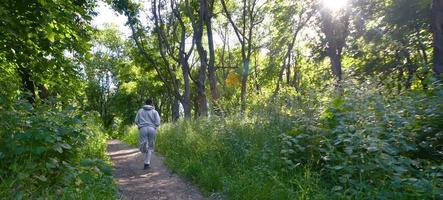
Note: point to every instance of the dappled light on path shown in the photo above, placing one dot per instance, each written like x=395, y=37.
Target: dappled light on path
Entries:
x=156, y=183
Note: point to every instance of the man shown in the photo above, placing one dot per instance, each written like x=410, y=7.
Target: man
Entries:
x=148, y=121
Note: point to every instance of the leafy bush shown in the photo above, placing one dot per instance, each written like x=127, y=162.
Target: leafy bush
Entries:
x=52, y=153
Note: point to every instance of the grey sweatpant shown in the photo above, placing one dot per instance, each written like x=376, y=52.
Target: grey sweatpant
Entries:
x=147, y=134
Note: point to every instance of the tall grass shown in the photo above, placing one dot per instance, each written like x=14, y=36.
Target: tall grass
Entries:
x=238, y=158
x=131, y=135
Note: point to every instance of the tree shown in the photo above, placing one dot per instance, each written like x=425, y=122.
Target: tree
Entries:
x=335, y=27
x=169, y=44
x=197, y=26
x=289, y=18
x=173, y=44
x=35, y=35
x=244, y=30
x=101, y=71
x=437, y=28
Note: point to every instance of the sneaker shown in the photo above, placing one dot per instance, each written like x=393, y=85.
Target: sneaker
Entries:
x=146, y=166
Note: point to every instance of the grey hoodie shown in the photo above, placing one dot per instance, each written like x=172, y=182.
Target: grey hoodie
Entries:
x=147, y=116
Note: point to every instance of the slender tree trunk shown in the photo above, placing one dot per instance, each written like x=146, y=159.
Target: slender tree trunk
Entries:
x=295, y=80
x=196, y=107
x=243, y=85
x=280, y=78
x=175, y=110
x=421, y=49
x=211, y=65
x=27, y=84
x=411, y=71
x=399, y=80
x=201, y=95
x=287, y=60
x=288, y=69
x=257, y=86
x=437, y=28
x=244, y=36
x=335, y=59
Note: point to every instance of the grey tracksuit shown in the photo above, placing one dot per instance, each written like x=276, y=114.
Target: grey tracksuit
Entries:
x=147, y=121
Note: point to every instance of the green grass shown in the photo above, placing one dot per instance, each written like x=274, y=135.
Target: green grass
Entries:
x=131, y=135
x=237, y=158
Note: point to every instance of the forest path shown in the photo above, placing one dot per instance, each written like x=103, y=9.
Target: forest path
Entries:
x=157, y=183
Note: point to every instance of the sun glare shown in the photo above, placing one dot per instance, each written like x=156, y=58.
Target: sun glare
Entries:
x=335, y=5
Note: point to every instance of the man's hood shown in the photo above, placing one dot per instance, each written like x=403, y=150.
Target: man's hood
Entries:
x=148, y=107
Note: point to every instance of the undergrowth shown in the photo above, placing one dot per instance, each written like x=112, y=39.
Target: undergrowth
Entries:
x=52, y=154
x=358, y=146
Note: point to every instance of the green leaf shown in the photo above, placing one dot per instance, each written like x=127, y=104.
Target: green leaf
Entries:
x=337, y=188
x=66, y=146
x=289, y=162
x=42, y=2
x=51, y=36
x=349, y=150
x=38, y=150
x=372, y=149
x=390, y=149
x=337, y=167
x=58, y=148
x=400, y=169
x=42, y=178
x=20, y=150
x=22, y=175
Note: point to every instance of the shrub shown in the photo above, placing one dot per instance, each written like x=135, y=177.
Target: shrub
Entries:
x=52, y=153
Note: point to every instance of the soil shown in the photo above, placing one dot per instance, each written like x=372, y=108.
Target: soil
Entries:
x=155, y=183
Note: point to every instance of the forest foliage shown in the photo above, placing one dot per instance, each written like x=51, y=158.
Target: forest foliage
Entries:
x=50, y=147
x=261, y=99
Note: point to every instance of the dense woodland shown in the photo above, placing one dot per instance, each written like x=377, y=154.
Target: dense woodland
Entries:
x=260, y=99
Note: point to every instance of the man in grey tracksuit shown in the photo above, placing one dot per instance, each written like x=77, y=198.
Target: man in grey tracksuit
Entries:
x=148, y=121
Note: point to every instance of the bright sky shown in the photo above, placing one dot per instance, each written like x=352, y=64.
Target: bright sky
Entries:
x=108, y=16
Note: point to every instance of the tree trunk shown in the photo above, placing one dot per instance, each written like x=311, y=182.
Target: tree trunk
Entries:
x=243, y=85
x=335, y=59
x=196, y=107
x=211, y=65
x=257, y=86
x=27, y=84
x=201, y=96
x=295, y=82
x=175, y=110
x=280, y=78
x=183, y=57
x=411, y=70
x=198, y=37
x=186, y=100
x=288, y=69
x=244, y=36
x=399, y=80
x=336, y=31
x=437, y=28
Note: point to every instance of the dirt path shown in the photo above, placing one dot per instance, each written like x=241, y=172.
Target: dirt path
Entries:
x=155, y=183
